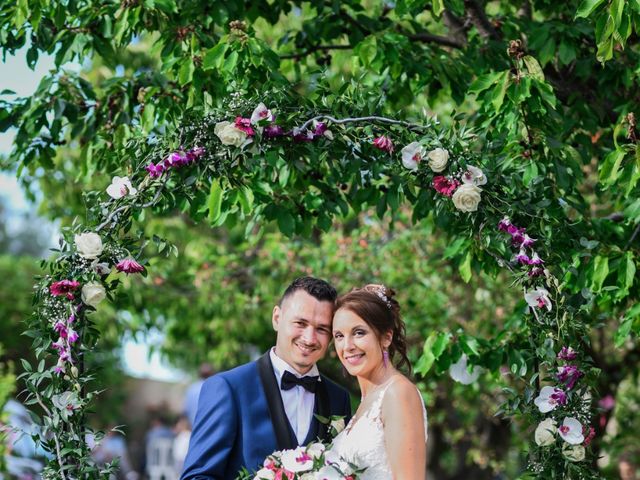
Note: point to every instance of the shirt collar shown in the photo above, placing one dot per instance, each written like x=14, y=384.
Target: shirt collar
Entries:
x=280, y=366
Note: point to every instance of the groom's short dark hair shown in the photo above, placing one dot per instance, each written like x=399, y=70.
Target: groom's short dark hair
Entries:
x=317, y=288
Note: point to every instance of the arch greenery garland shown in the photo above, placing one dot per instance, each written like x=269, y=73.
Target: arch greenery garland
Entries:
x=278, y=157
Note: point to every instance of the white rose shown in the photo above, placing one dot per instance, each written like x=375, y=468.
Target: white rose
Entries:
x=329, y=473
x=315, y=450
x=93, y=293
x=121, y=187
x=575, y=453
x=338, y=425
x=412, y=155
x=264, y=474
x=545, y=433
x=438, y=159
x=466, y=197
x=230, y=135
x=474, y=176
x=88, y=245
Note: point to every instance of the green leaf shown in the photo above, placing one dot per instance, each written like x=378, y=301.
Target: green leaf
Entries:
x=610, y=168
x=534, y=68
x=483, y=82
x=433, y=348
x=499, y=91
x=367, y=50
x=186, y=71
x=215, y=201
x=246, y=200
x=626, y=272
x=286, y=223
x=600, y=272
x=465, y=267
x=587, y=7
x=214, y=57
x=230, y=62
x=469, y=344
x=438, y=7
x=530, y=172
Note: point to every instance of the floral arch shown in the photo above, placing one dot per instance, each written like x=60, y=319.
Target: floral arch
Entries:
x=278, y=157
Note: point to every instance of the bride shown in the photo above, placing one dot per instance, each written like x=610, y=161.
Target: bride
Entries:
x=388, y=433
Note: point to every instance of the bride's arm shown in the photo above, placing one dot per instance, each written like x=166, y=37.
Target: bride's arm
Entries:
x=404, y=431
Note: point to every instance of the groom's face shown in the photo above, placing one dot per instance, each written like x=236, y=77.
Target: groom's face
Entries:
x=303, y=324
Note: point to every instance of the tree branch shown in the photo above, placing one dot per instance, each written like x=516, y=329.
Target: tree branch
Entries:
x=430, y=38
x=479, y=18
x=456, y=27
x=373, y=118
x=525, y=10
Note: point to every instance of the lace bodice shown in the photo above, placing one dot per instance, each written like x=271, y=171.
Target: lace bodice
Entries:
x=362, y=441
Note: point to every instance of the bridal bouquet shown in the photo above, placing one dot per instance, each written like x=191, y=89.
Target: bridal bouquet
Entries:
x=315, y=461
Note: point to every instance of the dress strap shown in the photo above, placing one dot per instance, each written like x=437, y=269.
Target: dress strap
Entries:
x=376, y=407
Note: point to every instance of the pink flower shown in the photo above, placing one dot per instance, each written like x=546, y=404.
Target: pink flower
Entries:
x=527, y=241
x=64, y=287
x=129, y=265
x=321, y=127
x=59, y=345
x=155, y=170
x=175, y=159
x=607, y=403
x=303, y=458
x=244, y=124
x=590, y=435
x=538, y=298
x=302, y=135
x=384, y=143
x=444, y=185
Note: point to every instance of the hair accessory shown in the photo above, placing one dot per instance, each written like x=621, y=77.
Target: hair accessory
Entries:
x=379, y=291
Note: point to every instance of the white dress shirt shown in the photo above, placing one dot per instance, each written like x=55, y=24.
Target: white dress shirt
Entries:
x=298, y=402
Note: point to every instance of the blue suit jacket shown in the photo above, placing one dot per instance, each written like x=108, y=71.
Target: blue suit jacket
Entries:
x=241, y=419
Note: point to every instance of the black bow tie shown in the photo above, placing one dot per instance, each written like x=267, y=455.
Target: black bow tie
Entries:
x=289, y=380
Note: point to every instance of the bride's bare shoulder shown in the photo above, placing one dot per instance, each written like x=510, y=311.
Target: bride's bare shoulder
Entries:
x=402, y=392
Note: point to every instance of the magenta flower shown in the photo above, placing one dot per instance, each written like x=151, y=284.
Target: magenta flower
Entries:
x=535, y=272
x=193, y=154
x=64, y=287
x=559, y=396
x=569, y=375
x=65, y=355
x=59, y=345
x=384, y=143
x=73, y=336
x=527, y=241
x=607, y=403
x=504, y=224
x=175, y=159
x=72, y=318
x=535, y=260
x=567, y=353
x=155, y=170
x=522, y=257
x=61, y=329
x=129, y=265
x=302, y=135
x=444, y=185
x=321, y=127
x=273, y=131
x=59, y=368
x=244, y=124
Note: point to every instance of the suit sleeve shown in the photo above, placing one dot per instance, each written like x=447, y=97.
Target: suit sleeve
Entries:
x=213, y=434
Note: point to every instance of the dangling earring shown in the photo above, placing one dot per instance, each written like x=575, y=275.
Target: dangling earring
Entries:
x=385, y=358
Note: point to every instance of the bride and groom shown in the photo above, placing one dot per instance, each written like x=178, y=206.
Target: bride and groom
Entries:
x=249, y=412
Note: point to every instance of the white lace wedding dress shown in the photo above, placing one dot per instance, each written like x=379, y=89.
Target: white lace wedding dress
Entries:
x=362, y=441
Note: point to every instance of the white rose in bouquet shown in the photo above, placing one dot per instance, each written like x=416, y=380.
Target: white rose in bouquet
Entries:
x=466, y=197
x=438, y=159
x=546, y=432
x=93, y=293
x=230, y=135
x=88, y=245
x=574, y=453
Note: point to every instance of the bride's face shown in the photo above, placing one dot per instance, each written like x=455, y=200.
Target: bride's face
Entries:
x=357, y=344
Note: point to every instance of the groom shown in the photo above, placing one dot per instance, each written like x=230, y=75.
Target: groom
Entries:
x=247, y=413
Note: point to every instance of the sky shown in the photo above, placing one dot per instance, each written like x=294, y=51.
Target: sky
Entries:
x=16, y=76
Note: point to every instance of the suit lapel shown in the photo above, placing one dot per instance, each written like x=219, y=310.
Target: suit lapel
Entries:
x=274, y=402
x=322, y=407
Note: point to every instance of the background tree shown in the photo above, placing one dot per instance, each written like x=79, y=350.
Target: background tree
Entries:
x=511, y=70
